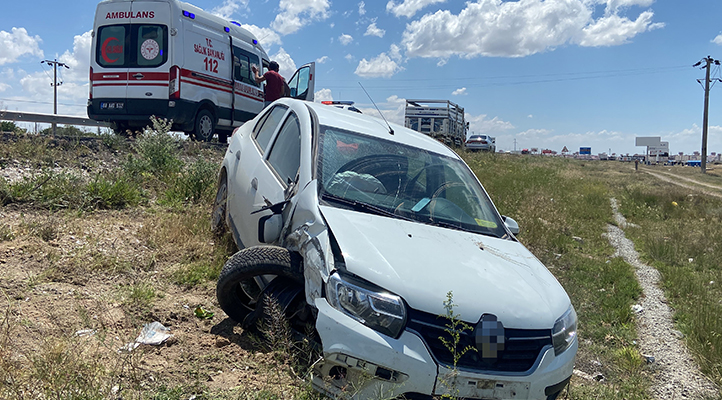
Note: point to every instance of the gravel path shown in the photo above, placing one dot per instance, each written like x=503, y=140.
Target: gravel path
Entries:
x=676, y=375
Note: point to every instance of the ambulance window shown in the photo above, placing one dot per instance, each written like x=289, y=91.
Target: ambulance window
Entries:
x=268, y=125
x=242, y=69
x=111, y=46
x=151, y=45
x=285, y=154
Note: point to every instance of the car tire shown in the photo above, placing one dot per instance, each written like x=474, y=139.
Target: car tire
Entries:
x=240, y=296
x=218, y=216
x=204, y=126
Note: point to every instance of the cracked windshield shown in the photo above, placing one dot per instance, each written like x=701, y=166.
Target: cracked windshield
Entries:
x=377, y=176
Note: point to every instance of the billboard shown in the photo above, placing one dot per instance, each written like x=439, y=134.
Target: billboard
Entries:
x=647, y=141
x=585, y=150
x=662, y=150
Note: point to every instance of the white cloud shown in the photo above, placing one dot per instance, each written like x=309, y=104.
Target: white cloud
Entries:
x=286, y=65
x=395, y=53
x=521, y=28
x=408, y=8
x=442, y=62
x=295, y=14
x=4, y=87
x=373, y=30
x=614, y=30
x=349, y=57
x=345, y=39
x=322, y=59
x=382, y=66
x=229, y=7
x=18, y=43
x=530, y=116
x=361, y=8
x=322, y=95
x=266, y=36
x=459, y=92
x=480, y=124
x=393, y=109
x=718, y=39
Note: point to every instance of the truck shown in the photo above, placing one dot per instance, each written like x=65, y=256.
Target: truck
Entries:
x=440, y=119
x=173, y=60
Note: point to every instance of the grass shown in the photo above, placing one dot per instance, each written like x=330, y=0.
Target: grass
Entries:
x=145, y=237
x=562, y=207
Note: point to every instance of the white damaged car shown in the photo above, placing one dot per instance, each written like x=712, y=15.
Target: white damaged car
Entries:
x=364, y=230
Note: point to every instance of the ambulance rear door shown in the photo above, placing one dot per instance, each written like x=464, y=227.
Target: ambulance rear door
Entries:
x=148, y=50
x=109, y=64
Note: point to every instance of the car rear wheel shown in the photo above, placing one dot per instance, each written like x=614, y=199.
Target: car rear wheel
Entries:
x=204, y=126
x=218, y=216
x=254, y=275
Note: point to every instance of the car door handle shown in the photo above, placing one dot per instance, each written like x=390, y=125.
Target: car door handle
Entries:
x=254, y=184
x=138, y=76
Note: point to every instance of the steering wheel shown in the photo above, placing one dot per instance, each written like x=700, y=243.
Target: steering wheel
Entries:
x=365, y=163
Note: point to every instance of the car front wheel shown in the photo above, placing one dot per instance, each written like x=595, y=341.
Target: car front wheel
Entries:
x=258, y=277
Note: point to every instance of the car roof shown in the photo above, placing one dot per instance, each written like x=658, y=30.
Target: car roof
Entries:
x=372, y=126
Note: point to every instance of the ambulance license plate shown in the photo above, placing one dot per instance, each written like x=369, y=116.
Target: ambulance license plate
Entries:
x=112, y=105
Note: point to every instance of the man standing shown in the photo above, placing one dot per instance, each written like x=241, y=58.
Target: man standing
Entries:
x=274, y=82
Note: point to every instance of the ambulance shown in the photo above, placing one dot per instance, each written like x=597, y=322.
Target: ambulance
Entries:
x=173, y=60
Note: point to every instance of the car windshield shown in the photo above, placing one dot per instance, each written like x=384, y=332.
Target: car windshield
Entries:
x=378, y=176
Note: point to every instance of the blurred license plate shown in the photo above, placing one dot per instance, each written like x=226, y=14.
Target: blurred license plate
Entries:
x=111, y=105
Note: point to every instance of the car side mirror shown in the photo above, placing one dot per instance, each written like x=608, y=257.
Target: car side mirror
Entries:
x=511, y=225
x=270, y=226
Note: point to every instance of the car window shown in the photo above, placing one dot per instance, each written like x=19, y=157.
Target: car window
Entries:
x=265, y=129
x=285, y=155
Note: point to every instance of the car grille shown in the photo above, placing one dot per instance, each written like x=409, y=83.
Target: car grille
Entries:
x=521, y=348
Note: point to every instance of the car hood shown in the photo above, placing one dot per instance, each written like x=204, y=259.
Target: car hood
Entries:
x=422, y=263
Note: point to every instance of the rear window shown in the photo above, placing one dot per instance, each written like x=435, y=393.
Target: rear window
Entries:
x=132, y=46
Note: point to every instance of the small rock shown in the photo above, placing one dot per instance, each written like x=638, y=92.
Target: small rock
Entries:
x=677, y=334
x=648, y=359
x=578, y=239
x=222, y=342
x=599, y=377
x=637, y=308
x=596, y=363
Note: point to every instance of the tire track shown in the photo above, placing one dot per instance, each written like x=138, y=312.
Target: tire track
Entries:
x=676, y=374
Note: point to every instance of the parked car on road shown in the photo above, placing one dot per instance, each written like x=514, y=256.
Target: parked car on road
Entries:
x=481, y=143
x=369, y=233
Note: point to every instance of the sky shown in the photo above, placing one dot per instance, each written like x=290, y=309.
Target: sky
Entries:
x=543, y=74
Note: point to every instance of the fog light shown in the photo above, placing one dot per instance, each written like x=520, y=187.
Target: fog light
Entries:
x=171, y=103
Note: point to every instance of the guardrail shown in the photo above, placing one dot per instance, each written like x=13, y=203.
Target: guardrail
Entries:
x=50, y=119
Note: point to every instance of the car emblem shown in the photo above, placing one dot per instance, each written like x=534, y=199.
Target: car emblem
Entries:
x=489, y=335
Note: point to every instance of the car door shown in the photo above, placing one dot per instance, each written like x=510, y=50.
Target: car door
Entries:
x=302, y=83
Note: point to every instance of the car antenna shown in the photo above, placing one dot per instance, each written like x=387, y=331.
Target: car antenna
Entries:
x=391, y=130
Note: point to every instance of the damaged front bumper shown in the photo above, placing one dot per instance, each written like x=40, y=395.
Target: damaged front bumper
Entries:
x=362, y=363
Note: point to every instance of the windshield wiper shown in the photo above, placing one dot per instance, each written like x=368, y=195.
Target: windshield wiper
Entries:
x=361, y=206
x=458, y=227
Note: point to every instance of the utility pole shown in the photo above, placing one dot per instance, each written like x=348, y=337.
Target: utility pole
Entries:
x=55, y=63
x=708, y=65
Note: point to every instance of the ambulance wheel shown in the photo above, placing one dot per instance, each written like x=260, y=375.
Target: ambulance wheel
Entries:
x=204, y=127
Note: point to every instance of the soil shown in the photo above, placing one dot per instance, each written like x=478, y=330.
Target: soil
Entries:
x=72, y=296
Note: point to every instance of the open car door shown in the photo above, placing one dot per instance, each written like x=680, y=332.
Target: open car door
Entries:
x=302, y=82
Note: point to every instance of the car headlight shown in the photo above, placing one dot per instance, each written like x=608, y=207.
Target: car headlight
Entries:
x=564, y=331
x=379, y=310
